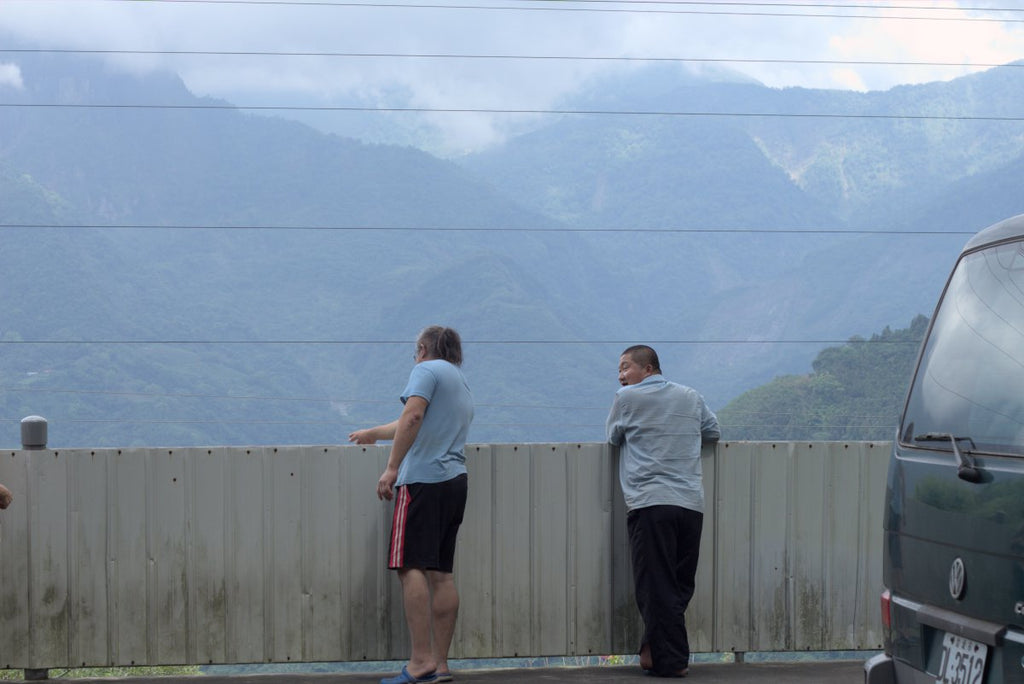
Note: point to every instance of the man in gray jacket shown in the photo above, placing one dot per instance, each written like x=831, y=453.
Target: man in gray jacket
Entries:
x=659, y=427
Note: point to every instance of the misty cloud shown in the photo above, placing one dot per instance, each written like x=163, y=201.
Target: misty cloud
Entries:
x=10, y=76
x=492, y=56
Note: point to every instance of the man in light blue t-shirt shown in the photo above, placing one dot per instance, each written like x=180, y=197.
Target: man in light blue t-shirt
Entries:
x=659, y=427
x=426, y=476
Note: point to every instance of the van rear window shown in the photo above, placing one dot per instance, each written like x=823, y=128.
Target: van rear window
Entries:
x=970, y=379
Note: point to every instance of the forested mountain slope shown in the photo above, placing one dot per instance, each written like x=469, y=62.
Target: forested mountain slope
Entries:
x=853, y=392
x=197, y=274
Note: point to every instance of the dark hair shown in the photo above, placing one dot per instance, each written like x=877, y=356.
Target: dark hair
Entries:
x=643, y=355
x=441, y=343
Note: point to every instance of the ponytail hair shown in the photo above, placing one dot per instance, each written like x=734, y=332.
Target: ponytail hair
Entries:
x=441, y=343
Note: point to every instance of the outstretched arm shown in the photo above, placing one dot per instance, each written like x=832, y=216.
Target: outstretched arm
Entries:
x=372, y=435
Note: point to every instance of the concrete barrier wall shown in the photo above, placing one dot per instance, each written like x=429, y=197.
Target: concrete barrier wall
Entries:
x=119, y=557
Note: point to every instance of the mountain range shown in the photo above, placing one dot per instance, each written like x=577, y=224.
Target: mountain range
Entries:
x=178, y=271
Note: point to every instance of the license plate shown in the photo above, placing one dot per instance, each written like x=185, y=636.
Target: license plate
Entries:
x=963, y=661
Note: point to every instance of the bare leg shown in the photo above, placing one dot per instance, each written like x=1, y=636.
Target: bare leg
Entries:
x=416, y=598
x=444, y=609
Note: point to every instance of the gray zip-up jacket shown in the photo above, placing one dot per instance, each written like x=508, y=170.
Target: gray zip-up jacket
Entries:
x=660, y=426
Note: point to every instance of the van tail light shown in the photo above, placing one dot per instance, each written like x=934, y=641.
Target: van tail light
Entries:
x=887, y=618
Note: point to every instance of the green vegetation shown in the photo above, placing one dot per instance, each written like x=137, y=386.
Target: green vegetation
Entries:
x=855, y=392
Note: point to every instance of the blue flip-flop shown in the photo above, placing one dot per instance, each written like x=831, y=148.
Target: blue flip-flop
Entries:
x=406, y=678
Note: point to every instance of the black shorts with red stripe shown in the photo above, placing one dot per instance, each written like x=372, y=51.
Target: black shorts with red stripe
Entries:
x=426, y=523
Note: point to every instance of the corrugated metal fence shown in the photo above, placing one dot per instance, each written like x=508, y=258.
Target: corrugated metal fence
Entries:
x=276, y=554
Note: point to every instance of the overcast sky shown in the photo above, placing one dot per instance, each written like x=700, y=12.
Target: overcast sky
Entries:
x=772, y=41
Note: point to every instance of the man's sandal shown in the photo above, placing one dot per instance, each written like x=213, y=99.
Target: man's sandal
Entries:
x=406, y=678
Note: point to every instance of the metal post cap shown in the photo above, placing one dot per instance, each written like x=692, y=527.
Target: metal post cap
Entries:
x=33, y=432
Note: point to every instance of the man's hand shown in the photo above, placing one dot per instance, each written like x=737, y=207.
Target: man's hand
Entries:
x=5, y=497
x=386, y=484
x=362, y=437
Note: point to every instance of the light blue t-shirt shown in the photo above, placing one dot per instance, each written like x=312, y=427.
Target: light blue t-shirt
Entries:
x=659, y=426
x=438, y=454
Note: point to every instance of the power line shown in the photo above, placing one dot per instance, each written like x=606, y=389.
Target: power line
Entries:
x=346, y=401
x=448, y=56
x=188, y=395
x=310, y=342
x=472, y=229
x=560, y=424
x=776, y=429
x=229, y=421
x=501, y=110
x=249, y=397
x=758, y=9
x=754, y=415
x=847, y=4
x=341, y=421
x=814, y=427
x=330, y=400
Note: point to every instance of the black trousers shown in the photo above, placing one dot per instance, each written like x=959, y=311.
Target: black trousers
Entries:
x=664, y=543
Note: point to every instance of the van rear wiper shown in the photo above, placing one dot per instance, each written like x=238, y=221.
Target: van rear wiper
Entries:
x=966, y=469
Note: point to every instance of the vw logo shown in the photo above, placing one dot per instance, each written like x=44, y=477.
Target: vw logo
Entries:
x=957, y=578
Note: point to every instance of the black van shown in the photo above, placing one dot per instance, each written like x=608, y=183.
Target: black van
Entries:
x=953, y=607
